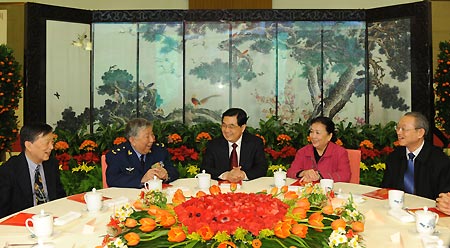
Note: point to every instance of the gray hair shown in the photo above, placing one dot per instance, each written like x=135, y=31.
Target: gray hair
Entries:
x=421, y=121
x=135, y=125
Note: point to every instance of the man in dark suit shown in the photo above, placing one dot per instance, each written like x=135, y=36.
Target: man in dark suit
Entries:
x=140, y=159
x=428, y=165
x=250, y=163
x=17, y=185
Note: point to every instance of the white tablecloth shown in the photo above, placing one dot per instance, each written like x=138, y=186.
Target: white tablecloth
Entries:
x=379, y=226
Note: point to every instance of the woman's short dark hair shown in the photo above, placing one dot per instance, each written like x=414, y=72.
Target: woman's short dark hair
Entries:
x=32, y=131
x=239, y=113
x=329, y=125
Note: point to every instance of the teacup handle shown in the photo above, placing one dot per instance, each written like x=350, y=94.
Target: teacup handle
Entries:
x=146, y=185
x=28, y=226
x=437, y=219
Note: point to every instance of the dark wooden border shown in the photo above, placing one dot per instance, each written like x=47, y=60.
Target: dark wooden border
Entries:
x=422, y=92
x=36, y=16
x=226, y=15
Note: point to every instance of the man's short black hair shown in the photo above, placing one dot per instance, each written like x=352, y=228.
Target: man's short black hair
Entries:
x=239, y=113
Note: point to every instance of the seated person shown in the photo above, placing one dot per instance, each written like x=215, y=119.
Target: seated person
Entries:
x=443, y=203
x=246, y=161
x=322, y=158
x=138, y=160
x=32, y=177
x=428, y=174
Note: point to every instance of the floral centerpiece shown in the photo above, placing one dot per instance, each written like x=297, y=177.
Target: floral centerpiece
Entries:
x=79, y=172
x=280, y=218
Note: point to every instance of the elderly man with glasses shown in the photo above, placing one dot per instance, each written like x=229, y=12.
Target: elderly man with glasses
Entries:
x=416, y=166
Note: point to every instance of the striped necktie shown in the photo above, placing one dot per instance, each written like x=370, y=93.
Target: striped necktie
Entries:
x=39, y=187
x=408, y=178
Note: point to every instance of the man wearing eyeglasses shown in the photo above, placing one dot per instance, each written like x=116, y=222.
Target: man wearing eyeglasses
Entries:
x=416, y=166
x=237, y=155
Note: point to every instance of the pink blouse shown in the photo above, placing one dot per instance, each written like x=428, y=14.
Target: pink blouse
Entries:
x=333, y=164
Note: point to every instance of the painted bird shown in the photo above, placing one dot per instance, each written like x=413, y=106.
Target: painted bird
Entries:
x=197, y=102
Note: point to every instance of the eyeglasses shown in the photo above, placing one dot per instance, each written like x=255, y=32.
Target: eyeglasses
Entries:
x=398, y=129
x=229, y=126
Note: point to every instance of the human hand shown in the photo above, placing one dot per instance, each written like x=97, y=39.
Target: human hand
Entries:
x=235, y=175
x=159, y=172
x=443, y=203
x=309, y=176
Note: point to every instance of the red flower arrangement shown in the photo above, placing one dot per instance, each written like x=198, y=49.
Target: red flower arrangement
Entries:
x=183, y=153
x=227, y=212
x=236, y=220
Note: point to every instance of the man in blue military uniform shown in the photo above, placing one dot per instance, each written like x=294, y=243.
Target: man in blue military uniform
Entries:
x=139, y=159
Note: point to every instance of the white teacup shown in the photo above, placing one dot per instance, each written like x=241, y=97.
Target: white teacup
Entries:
x=42, y=224
x=203, y=180
x=279, y=178
x=426, y=221
x=396, y=198
x=154, y=184
x=326, y=184
x=93, y=200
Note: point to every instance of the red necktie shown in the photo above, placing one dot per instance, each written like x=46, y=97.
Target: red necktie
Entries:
x=233, y=157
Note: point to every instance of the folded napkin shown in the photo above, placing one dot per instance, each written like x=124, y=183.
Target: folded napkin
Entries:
x=115, y=201
x=18, y=220
x=429, y=209
x=381, y=194
x=66, y=218
x=80, y=198
x=401, y=215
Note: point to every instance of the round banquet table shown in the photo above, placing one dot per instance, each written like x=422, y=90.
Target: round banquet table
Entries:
x=88, y=230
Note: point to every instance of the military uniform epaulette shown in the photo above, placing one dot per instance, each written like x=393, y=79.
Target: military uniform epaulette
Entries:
x=118, y=149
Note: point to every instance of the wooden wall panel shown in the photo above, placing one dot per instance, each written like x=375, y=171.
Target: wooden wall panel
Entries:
x=230, y=4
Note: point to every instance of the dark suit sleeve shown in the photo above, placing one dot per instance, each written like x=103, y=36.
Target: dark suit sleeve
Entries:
x=253, y=159
x=53, y=179
x=393, y=175
x=216, y=161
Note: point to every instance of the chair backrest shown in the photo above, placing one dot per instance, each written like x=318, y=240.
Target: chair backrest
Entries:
x=354, y=156
x=104, y=166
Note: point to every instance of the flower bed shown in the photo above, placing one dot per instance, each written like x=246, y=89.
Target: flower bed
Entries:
x=280, y=218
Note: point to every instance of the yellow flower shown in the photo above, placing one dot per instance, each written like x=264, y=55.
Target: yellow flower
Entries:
x=83, y=167
x=363, y=166
x=193, y=169
x=275, y=167
x=379, y=166
x=339, y=142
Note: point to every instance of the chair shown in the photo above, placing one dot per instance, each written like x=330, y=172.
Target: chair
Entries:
x=354, y=156
x=104, y=166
